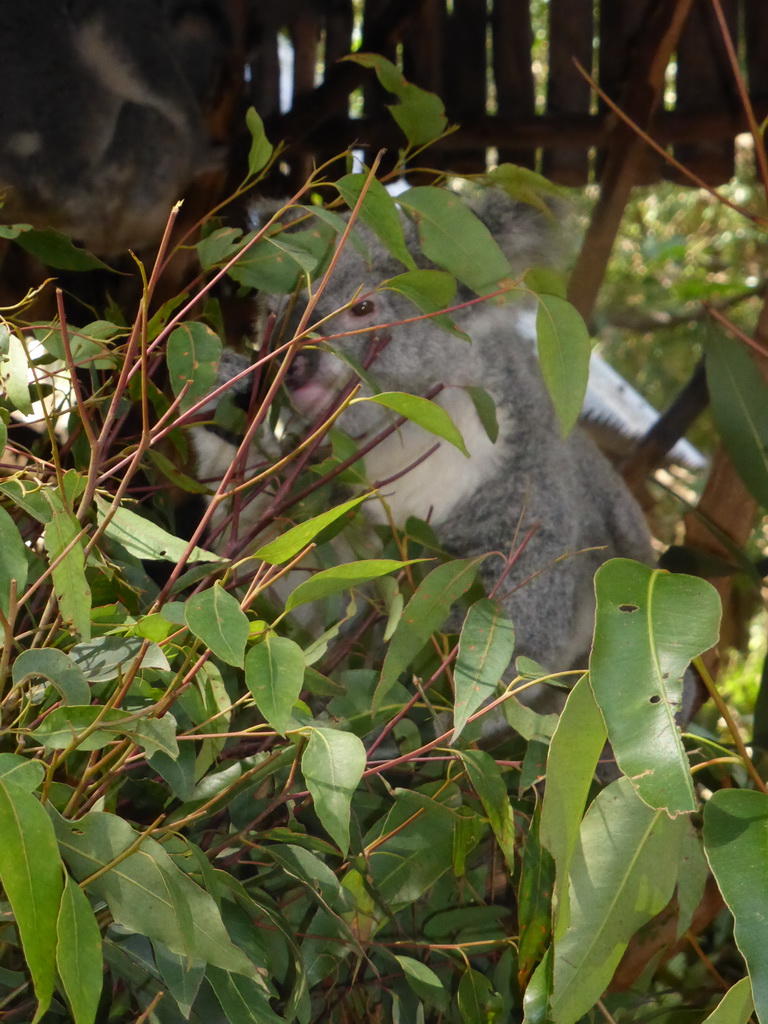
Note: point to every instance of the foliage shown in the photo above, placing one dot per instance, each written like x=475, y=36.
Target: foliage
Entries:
x=215, y=810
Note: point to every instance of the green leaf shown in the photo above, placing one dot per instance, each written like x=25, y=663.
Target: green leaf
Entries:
x=738, y=395
x=735, y=841
x=16, y=770
x=56, y=250
x=193, y=355
x=333, y=763
x=55, y=666
x=111, y=656
x=14, y=370
x=62, y=725
x=623, y=873
x=341, y=578
x=430, y=290
x=147, y=540
x=146, y=892
x=574, y=751
x=419, y=114
x=261, y=148
x=86, y=344
x=182, y=975
x=13, y=564
x=32, y=877
x=378, y=211
x=485, y=407
x=242, y=999
x=736, y=1006
x=534, y=899
x=69, y=582
x=473, y=996
x=426, y=612
x=418, y=850
x=78, y=953
x=524, y=185
x=29, y=497
x=273, y=264
x=488, y=783
x=423, y=980
x=274, y=673
x=290, y=543
x=486, y=646
x=216, y=618
x=422, y=411
x=649, y=624
x=564, y=349
x=455, y=239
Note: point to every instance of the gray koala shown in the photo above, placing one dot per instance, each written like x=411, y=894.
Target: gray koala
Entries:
x=553, y=506
x=100, y=130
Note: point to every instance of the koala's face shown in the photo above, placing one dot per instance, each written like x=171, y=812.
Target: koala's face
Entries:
x=381, y=331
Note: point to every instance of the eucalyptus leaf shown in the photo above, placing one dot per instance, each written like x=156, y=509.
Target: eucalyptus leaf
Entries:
x=419, y=114
x=341, y=578
x=486, y=646
x=290, y=543
x=216, y=618
x=454, y=238
x=145, y=891
x=422, y=411
x=274, y=673
x=332, y=764
x=147, y=540
x=32, y=878
x=13, y=564
x=564, y=350
x=623, y=873
x=426, y=612
x=649, y=624
x=68, y=572
x=735, y=841
x=193, y=354
x=261, y=149
x=79, y=958
x=58, y=668
x=378, y=211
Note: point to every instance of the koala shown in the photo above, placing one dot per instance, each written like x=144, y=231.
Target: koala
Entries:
x=549, y=509
x=101, y=131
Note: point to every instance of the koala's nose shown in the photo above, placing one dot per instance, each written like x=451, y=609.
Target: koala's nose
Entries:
x=302, y=368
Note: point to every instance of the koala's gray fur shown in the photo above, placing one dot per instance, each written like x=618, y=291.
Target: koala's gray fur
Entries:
x=100, y=131
x=530, y=479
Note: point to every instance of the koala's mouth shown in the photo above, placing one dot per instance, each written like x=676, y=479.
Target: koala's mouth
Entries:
x=309, y=394
x=316, y=377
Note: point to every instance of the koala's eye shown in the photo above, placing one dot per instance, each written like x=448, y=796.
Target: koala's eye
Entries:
x=363, y=308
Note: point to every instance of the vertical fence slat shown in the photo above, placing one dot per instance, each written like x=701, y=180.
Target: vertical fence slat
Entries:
x=568, y=92
x=705, y=83
x=466, y=75
x=512, y=72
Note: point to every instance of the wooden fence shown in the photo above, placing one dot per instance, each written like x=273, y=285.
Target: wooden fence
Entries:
x=506, y=71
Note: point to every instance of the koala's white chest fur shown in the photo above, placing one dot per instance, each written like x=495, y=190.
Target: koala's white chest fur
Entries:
x=432, y=489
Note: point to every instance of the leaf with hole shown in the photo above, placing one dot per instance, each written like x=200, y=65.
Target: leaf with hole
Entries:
x=649, y=624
